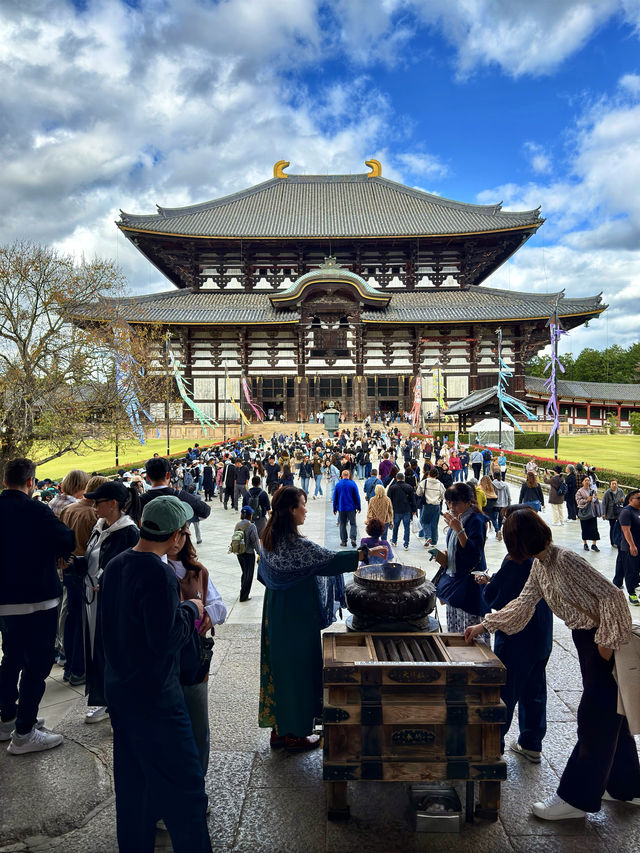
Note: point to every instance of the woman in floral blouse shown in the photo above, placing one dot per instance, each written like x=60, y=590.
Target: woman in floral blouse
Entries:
x=604, y=763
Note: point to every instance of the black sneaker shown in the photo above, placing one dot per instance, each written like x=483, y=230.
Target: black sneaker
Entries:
x=586, y=547
x=595, y=548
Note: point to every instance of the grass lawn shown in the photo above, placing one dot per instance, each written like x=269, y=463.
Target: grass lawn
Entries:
x=130, y=452
x=617, y=452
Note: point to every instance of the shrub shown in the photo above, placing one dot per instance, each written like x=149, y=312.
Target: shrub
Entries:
x=531, y=440
x=612, y=423
x=604, y=474
x=634, y=422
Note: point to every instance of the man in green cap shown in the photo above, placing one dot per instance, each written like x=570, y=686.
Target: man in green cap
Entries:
x=157, y=771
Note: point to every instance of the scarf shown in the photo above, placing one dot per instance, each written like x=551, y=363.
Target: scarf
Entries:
x=297, y=560
x=452, y=543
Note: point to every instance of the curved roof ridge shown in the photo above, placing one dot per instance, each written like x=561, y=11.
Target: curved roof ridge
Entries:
x=198, y=207
x=396, y=186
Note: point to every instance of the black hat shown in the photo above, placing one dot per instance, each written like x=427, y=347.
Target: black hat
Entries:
x=111, y=491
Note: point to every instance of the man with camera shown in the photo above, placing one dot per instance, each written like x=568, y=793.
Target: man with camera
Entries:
x=32, y=540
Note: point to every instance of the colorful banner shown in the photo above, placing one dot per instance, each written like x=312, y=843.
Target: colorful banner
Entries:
x=554, y=364
x=416, y=409
x=259, y=411
x=505, y=400
x=127, y=371
x=234, y=404
x=182, y=390
x=439, y=391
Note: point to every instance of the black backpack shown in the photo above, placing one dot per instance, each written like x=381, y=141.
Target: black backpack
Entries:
x=254, y=503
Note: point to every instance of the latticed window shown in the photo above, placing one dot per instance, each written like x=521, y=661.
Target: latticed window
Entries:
x=272, y=386
x=330, y=387
x=387, y=386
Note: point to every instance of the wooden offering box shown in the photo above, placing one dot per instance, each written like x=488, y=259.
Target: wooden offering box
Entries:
x=412, y=708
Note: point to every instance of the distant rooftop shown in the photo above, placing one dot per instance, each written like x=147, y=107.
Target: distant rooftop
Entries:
x=598, y=391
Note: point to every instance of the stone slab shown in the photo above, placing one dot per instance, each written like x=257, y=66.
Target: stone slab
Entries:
x=50, y=793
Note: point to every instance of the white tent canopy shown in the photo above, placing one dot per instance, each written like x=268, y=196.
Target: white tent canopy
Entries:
x=488, y=431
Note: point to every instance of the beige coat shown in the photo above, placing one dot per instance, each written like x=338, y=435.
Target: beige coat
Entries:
x=627, y=673
x=380, y=507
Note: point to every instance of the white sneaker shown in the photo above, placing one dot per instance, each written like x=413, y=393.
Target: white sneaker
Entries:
x=96, y=715
x=35, y=741
x=6, y=729
x=530, y=754
x=555, y=808
x=634, y=802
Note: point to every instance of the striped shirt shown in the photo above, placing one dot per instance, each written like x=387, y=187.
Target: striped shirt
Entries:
x=575, y=592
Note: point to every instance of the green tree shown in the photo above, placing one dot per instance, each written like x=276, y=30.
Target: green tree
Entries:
x=536, y=366
x=613, y=364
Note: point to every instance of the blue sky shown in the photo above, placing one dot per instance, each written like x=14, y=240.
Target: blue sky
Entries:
x=107, y=104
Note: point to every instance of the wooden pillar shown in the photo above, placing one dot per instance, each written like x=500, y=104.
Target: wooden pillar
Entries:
x=588, y=413
x=619, y=415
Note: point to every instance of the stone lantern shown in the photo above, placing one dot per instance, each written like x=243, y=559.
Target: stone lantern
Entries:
x=331, y=419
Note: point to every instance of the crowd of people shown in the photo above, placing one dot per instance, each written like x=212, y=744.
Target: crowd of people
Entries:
x=117, y=594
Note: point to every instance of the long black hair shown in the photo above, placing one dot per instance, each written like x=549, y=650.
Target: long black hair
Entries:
x=281, y=526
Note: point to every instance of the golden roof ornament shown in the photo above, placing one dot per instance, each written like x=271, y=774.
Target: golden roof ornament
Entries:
x=279, y=167
x=376, y=168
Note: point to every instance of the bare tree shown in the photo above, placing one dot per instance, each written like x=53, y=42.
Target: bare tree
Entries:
x=57, y=388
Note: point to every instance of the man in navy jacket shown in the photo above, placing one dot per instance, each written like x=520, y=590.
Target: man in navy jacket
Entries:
x=346, y=502
x=157, y=770
x=32, y=539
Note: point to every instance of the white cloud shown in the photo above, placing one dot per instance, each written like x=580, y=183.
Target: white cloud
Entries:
x=539, y=159
x=593, y=217
x=516, y=36
x=173, y=102
x=424, y=164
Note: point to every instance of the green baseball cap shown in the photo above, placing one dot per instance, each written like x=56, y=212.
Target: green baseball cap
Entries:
x=164, y=515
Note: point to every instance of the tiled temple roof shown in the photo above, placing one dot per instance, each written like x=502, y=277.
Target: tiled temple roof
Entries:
x=330, y=206
x=206, y=307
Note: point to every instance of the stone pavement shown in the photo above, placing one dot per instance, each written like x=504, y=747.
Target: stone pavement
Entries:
x=275, y=802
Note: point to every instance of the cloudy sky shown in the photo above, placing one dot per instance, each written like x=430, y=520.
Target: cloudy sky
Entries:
x=125, y=104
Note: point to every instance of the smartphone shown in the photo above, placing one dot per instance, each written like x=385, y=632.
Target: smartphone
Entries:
x=433, y=551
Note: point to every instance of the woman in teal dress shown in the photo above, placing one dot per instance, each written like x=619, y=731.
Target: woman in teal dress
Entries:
x=301, y=580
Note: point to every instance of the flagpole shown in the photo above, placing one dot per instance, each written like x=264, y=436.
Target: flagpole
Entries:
x=226, y=387
x=499, y=395
x=168, y=393
x=555, y=379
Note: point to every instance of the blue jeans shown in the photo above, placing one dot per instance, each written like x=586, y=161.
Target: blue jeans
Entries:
x=496, y=520
x=429, y=518
x=405, y=518
x=527, y=687
x=367, y=469
x=465, y=472
x=486, y=467
x=457, y=474
x=305, y=485
x=318, y=479
x=359, y=471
